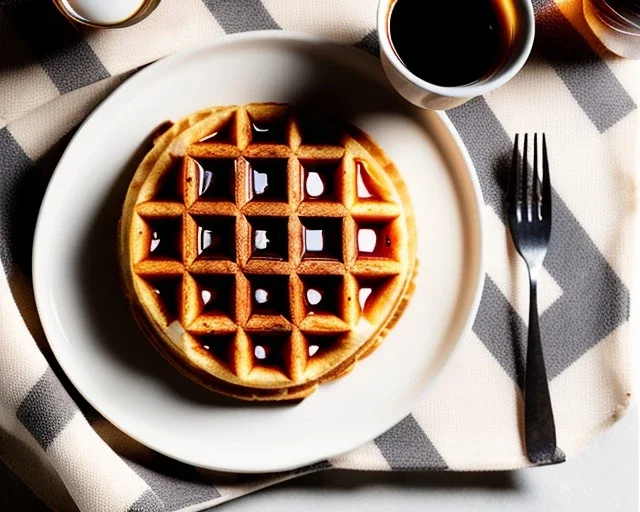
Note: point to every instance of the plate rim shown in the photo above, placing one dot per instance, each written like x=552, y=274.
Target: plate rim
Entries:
x=46, y=314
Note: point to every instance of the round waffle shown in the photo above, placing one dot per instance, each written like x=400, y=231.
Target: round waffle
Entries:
x=265, y=249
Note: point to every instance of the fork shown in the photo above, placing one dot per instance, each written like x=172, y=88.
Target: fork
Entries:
x=529, y=213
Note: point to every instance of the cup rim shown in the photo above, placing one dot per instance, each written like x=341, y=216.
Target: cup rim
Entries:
x=145, y=9
x=459, y=91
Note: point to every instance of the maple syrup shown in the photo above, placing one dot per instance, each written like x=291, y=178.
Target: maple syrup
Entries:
x=321, y=294
x=322, y=238
x=216, y=237
x=166, y=238
x=216, y=178
x=268, y=180
x=319, y=181
x=269, y=295
x=269, y=238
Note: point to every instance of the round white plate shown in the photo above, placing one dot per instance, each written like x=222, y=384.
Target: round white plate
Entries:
x=87, y=319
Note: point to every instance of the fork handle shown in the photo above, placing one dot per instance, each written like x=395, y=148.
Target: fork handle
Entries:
x=539, y=427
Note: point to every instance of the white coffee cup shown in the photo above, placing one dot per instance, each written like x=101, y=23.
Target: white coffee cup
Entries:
x=436, y=97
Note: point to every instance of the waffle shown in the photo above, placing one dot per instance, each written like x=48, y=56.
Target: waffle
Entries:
x=265, y=248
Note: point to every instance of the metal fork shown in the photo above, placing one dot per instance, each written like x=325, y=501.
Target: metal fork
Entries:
x=529, y=212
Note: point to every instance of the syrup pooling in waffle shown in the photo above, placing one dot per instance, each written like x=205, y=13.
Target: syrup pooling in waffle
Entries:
x=266, y=249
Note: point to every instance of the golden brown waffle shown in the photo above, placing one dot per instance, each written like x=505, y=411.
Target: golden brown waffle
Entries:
x=265, y=249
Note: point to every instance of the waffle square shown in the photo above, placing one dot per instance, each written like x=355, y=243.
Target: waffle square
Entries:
x=266, y=248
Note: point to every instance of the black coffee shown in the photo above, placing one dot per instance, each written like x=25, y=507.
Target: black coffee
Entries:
x=451, y=42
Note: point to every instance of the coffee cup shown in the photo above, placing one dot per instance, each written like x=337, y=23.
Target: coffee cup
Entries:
x=434, y=55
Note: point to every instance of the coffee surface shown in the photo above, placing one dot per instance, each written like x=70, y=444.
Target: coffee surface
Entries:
x=451, y=42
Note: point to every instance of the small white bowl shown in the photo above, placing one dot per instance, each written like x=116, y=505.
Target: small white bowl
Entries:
x=106, y=13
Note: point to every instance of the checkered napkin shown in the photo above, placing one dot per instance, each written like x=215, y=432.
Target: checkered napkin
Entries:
x=53, y=74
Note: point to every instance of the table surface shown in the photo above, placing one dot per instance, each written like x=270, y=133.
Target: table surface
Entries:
x=603, y=478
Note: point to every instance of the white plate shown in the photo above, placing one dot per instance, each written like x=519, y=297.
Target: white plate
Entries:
x=87, y=320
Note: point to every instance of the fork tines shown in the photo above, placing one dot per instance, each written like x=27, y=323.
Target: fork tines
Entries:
x=526, y=192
